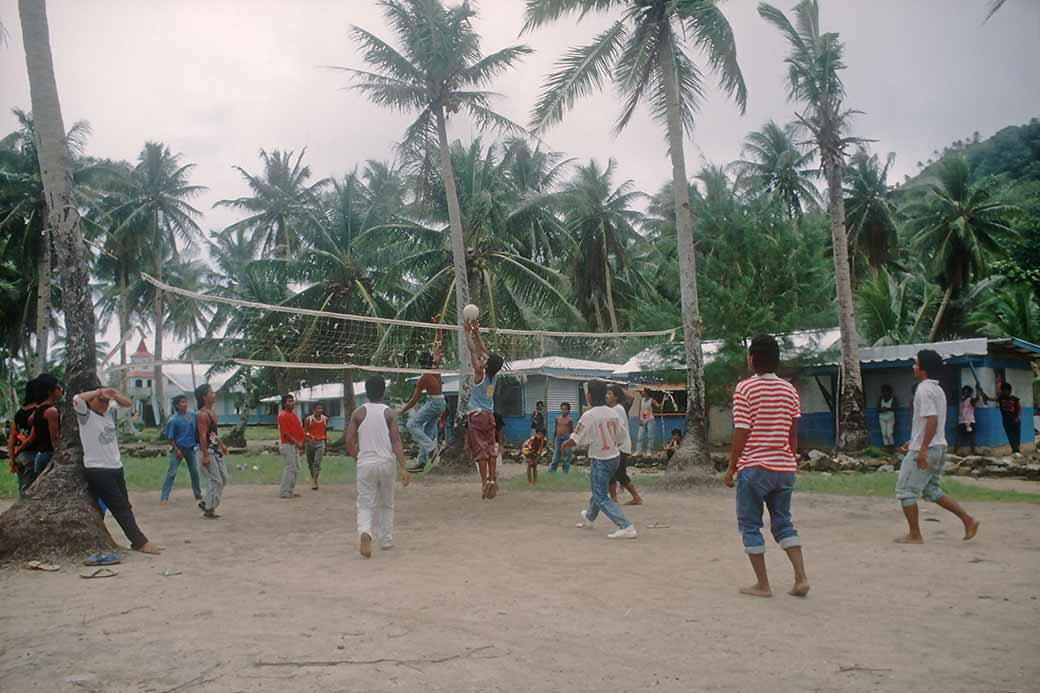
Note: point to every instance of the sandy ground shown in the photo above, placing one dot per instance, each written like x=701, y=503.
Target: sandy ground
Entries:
x=507, y=595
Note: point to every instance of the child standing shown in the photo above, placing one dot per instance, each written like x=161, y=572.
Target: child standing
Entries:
x=212, y=449
x=619, y=401
x=966, y=419
x=374, y=441
x=315, y=430
x=532, y=451
x=600, y=430
x=562, y=429
x=538, y=419
x=765, y=438
x=674, y=443
x=887, y=416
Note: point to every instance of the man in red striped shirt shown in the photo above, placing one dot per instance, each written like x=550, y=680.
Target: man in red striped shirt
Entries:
x=765, y=438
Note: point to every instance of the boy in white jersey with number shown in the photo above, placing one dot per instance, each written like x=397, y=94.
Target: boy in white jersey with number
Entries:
x=374, y=441
x=765, y=437
x=600, y=430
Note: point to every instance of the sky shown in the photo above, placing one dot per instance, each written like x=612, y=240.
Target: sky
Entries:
x=217, y=80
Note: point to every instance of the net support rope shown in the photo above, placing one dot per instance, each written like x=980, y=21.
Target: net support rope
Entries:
x=393, y=322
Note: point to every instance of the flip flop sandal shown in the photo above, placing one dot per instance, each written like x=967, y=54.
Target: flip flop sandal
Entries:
x=657, y=525
x=102, y=559
x=40, y=565
x=170, y=572
x=98, y=573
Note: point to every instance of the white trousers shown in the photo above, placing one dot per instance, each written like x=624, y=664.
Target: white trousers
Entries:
x=375, y=499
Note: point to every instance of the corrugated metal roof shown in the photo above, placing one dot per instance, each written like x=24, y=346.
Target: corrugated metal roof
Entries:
x=908, y=352
x=318, y=393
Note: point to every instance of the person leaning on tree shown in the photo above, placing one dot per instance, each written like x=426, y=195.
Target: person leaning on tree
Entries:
x=102, y=462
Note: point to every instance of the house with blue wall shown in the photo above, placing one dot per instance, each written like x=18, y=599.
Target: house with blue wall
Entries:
x=329, y=395
x=977, y=363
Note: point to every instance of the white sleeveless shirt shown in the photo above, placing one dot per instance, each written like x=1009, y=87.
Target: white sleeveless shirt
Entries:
x=374, y=436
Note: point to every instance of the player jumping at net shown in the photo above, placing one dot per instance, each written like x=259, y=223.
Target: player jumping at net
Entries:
x=423, y=423
x=481, y=438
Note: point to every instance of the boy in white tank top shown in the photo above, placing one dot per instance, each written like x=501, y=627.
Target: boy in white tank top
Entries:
x=374, y=441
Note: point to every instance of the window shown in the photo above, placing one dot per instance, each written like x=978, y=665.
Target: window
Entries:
x=509, y=397
x=149, y=382
x=138, y=383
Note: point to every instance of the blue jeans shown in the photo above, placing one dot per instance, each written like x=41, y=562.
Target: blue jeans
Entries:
x=914, y=482
x=422, y=425
x=42, y=460
x=600, y=473
x=171, y=473
x=757, y=487
x=560, y=453
x=645, y=435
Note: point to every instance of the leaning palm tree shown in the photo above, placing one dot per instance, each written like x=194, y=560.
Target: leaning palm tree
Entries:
x=59, y=514
x=870, y=210
x=157, y=194
x=960, y=226
x=644, y=54
x=283, y=207
x=779, y=167
x=813, y=65
x=438, y=71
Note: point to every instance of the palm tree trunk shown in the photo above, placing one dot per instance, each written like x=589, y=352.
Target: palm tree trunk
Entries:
x=853, y=425
x=610, y=295
x=43, y=297
x=124, y=377
x=694, y=450
x=157, y=374
x=458, y=252
x=237, y=437
x=600, y=327
x=942, y=311
x=59, y=514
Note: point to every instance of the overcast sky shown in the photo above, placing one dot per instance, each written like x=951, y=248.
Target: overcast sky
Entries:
x=217, y=80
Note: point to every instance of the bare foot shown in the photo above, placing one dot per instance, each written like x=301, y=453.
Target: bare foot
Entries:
x=164, y=502
x=800, y=589
x=757, y=591
x=909, y=540
x=970, y=530
x=366, y=545
x=634, y=502
x=150, y=549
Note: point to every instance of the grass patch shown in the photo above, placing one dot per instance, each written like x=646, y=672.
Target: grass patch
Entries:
x=883, y=484
x=577, y=480
x=148, y=473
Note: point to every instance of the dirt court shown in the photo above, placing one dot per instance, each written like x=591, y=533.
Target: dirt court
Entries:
x=507, y=595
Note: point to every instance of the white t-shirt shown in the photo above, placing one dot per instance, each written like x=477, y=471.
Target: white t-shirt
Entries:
x=600, y=430
x=626, y=436
x=97, y=434
x=929, y=400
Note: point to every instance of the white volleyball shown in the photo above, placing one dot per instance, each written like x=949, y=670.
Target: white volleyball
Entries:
x=470, y=312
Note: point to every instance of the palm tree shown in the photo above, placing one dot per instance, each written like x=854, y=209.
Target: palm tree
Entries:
x=1009, y=312
x=643, y=54
x=780, y=168
x=23, y=212
x=813, y=66
x=282, y=207
x=870, y=210
x=511, y=289
x=535, y=172
x=603, y=224
x=439, y=71
x=960, y=226
x=894, y=308
x=59, y=515
x=157, y=195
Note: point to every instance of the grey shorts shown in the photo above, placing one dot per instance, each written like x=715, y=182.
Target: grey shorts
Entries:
x=914, y=482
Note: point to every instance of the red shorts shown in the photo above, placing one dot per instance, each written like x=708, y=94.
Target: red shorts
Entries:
x=481, y=435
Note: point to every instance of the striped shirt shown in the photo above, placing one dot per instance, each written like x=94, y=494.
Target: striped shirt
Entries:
x=767, y=406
